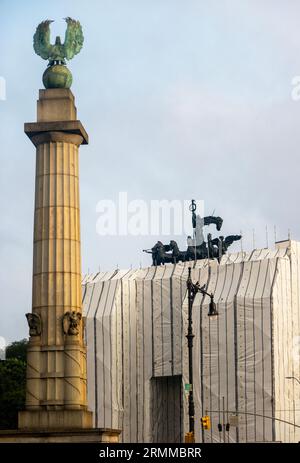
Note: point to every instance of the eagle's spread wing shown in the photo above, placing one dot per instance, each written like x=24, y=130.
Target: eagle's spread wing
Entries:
x=41, y=40
x=73, y=38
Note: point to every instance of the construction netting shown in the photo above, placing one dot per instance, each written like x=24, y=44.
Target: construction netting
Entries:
x=136, y=326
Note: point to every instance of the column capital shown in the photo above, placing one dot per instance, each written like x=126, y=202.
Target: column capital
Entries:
x=67, y=131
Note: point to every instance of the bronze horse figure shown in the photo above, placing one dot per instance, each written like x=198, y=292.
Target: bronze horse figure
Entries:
x=212, y=249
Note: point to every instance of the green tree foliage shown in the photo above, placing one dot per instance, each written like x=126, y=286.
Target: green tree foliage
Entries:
x=12, y=384
x=17, y=350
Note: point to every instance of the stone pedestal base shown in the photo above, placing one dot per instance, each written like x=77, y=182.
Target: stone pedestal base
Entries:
x=55, y=419
x=95, y=435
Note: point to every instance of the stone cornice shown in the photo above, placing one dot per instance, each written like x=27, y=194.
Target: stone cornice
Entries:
x=65, y=131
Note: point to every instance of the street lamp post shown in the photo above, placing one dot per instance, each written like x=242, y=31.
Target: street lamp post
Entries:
x=193, y=289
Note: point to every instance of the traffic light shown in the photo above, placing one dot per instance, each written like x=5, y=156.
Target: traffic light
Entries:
x=205, y=421
x=189, y=438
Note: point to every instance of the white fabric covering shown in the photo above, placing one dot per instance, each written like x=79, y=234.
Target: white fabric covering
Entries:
x=136, y=322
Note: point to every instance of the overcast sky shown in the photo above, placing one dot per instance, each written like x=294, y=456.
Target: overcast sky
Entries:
x=181, y=99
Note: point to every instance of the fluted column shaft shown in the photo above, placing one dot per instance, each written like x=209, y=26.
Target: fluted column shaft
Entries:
x=56, y=253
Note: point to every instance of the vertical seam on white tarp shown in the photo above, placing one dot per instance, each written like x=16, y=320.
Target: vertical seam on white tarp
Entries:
x=172, y=335
x=218, y=342
x=111, y=350
x=95, y=276
x=163, y=353
x=279, y=322
x=181, y=311
x=136, y=362
x=95, y=357
x=202, y=349
x=162, y=322
x=298, y=327
x=201, y=366
x=103, y=351
x=143, y=331
x=129, y=358
x=120, y=377
x=226, y=342
x=254, y=354
x=282, y=337
x=152, y=321
x=90, y=303
x=218, y=336
x=171, y=319
x=292, y=330
x=152, y=356
x=236, y=346
x=210, y=357
x=117, y=360
x=225, y=354
x=196, y=359
x=251, y=254
x=181, y=350
x=272, y=350
x=122, y=355
x=83, y=292
x=259, y=254
x=288, y=329
x=263, y=351
x=245, y=352
x=90, y=361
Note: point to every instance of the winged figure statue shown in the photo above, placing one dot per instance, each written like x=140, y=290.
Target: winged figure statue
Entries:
x=58, y=53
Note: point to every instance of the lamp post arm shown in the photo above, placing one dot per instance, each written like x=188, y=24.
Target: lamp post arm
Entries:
x=198, y=288
x=293, y=377
x=206, y=293
x=234, y=412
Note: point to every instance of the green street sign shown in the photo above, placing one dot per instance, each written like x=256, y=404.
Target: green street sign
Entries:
x=188, y=387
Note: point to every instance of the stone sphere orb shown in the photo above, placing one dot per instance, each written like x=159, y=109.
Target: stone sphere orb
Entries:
x=57, y=76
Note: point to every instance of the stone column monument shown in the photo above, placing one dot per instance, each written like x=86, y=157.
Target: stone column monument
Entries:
x=56, y=356
x=56, y=392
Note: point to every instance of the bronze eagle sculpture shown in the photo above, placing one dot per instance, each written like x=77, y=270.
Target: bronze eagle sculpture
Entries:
x=58, y=53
